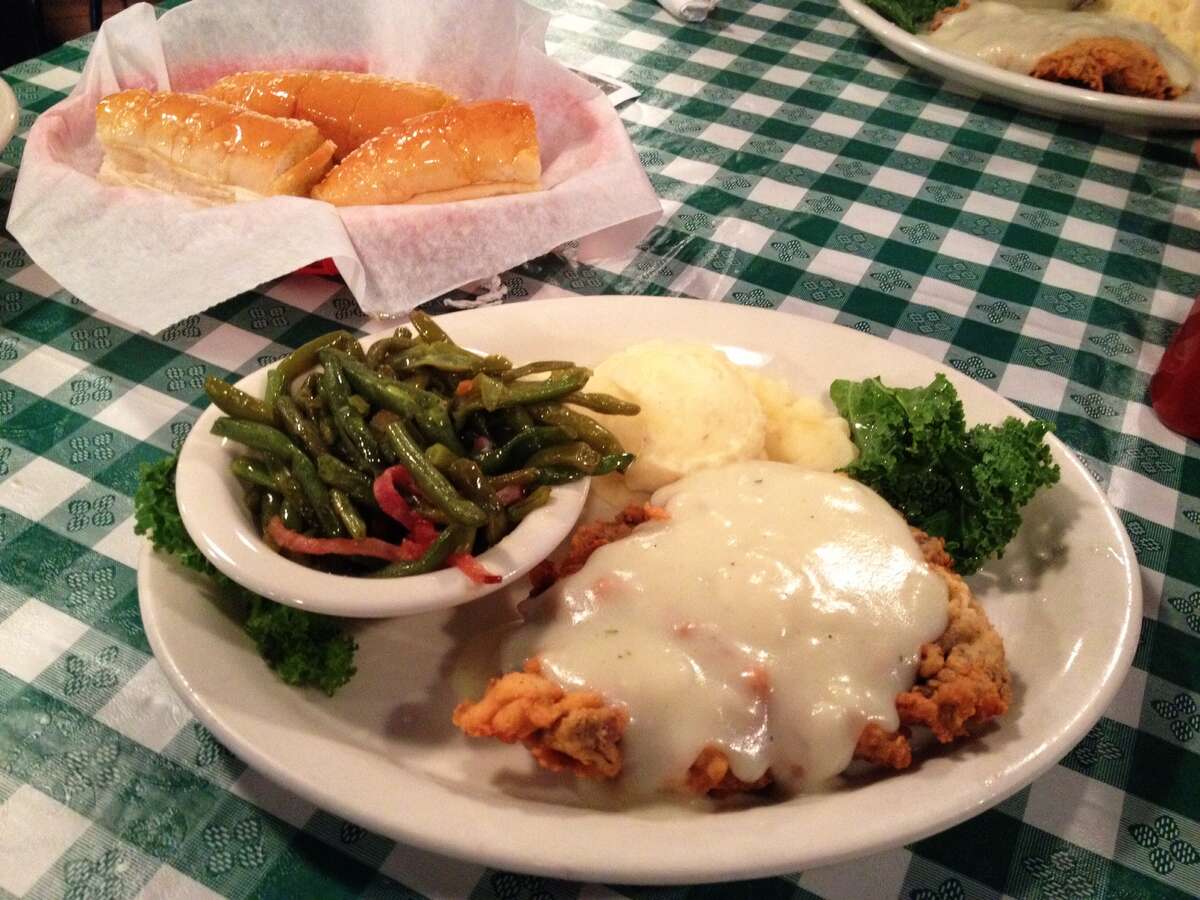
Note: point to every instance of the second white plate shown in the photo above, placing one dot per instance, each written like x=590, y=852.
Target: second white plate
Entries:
x=1057, y=100
x=383, y=753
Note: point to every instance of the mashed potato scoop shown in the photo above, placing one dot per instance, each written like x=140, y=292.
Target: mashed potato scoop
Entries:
x=699, y=411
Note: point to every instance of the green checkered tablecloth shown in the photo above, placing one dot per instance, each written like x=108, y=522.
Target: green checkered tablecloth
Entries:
x=803, y=169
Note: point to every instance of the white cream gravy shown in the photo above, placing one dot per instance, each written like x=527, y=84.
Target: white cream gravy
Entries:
x=1009, y=37
x=773, y=615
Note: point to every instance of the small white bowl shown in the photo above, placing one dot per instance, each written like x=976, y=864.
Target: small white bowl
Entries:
x=210, y=503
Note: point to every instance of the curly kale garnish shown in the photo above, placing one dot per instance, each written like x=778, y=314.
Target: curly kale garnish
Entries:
x=304, y=649
x=910, y=15
x=964, y=485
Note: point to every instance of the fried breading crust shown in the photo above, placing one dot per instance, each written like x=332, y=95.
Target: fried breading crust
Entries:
x=962, y=682
x=576, y=731
x=1109, y=64
x=710, y=774
x=587, y=539
x=962, y=677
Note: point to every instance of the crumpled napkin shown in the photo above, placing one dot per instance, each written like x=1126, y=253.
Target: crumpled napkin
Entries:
x=689, y=10
x=150, y=259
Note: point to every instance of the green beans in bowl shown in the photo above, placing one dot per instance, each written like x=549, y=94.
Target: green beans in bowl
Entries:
x=398, y=475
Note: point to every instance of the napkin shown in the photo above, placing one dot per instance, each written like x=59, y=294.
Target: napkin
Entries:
x=150, y=259
x=689, y=10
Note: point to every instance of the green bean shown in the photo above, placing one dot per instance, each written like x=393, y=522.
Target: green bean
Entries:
x=361, y=406
x=432, y=513
x=432, y=484
x=347, y=514
x=496, y=528
x=308, y=395
x=446, y=356
x=575, y=455
x=432, y=559
x=378, y=423
x=588, y=429
x=465, y=542
x=237, y=403
x=337, y=474
x=435, y=426
x=521, y=477
x=502, y=425
x=603, y=403
x=477, y=422
x=381, y=392
x=343, y=449
x=494, y=394
x=557, y=475
x=533, y=368
x=469, y=478
x=427, y=410
x=306, y=355
x=256, y=436
x=427, y=329
x=300, y=361
x=253, y=471
x=515, y=417
x=325, y=427
x=291, y=517
x=299, y=426
x=400, y=340
x=613, y=462
x=441, y=456
x=268, y=509
x=524, y=445
x=540, y=496
x=360, y=437
x=473, y=484
x=334, y=387
x=273, y=441
x=431, y=334
x=276, y=386
x=363, y=448
x=289, y=490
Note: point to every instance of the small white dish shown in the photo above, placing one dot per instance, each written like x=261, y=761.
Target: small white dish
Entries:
x=10, y=113
x=382, y=752
x=210, y=504
x=1024, y=91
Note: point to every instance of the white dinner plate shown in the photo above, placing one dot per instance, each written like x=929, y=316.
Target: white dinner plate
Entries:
x=382, y=752
x=10, y=113
x=1058, y=100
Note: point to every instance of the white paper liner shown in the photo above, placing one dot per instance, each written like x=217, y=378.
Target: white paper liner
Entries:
x=150, y=259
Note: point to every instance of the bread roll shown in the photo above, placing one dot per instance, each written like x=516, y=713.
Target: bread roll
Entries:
x=348, y=107
x=457, y=153
x=214, y=152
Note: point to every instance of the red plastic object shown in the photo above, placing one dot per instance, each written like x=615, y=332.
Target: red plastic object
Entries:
x=320, y=267
x=1175, y=387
